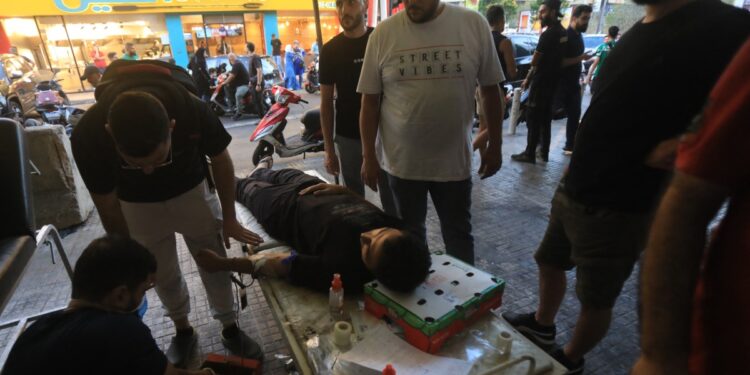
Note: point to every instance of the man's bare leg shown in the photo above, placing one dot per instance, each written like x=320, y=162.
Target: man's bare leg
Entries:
x=552, y=284
x=591, y=327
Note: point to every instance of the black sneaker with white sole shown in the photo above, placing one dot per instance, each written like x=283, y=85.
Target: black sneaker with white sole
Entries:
x=543, y=336
x=573, y=368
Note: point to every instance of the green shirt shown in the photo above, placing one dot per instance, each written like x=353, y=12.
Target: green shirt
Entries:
x=601, y=52
x=128, y=57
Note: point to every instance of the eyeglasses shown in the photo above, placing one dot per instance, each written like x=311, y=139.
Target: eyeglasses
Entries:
x=130, y=167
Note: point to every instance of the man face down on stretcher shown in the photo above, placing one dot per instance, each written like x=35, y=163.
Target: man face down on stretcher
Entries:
x=330, y=229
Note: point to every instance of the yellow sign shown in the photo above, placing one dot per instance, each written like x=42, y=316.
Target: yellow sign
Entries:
x=69, y=7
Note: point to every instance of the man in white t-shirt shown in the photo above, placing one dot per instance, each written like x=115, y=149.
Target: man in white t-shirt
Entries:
x=426, y=63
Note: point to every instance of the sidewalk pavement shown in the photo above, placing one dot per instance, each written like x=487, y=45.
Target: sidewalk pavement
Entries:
x=509, y=215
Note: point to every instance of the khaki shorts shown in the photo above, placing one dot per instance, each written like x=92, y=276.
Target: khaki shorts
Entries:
x=603, y=245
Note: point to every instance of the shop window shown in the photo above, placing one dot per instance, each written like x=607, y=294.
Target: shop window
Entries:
x=254, y=32
x=24, y=35
x=224, y=34
x=62, y=58
x=300, y=26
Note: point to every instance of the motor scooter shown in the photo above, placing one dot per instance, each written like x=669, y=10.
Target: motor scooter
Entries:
x=53, y=106
x=221, y=107
x=270, y=131
x=312, y=84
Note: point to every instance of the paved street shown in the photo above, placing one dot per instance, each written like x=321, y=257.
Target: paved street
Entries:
x=510, y=213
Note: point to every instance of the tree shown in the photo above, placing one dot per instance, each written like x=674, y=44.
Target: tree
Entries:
x=510, y=7
x=623, y=16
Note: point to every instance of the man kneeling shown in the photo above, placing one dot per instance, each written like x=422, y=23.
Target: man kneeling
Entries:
x=99, y=332
x=331, y=230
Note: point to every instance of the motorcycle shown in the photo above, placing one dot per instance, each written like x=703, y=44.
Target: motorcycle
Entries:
x=53, y=106
x=221, y=106
x=312, y=84
x=270, y=131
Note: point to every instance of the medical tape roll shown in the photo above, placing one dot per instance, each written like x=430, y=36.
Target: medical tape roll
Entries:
x=504, y=343
x=342, y=334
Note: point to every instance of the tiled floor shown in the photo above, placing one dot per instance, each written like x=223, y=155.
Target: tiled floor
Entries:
x=509, y=211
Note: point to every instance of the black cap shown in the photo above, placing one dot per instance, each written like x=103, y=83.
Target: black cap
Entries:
x=89, y=71
x=553, y=4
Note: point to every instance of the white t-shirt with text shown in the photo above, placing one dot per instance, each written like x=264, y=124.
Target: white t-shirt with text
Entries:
x=428, y=74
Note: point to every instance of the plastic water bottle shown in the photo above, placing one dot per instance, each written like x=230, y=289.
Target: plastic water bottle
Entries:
x=336, y=297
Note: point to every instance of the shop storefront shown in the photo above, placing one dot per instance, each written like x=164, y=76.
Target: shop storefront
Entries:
x=65, y=37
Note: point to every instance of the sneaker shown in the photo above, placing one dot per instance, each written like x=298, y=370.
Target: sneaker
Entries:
x=523, y=158
x=573, y=368
x=543, y=336
x=181, y=348
x=240, y=344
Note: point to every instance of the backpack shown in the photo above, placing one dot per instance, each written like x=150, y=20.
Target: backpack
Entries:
x=140, y=72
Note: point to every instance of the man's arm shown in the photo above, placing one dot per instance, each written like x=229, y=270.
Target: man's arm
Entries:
x=532, y=70
x=506, y=47
x=230, y=77
x=224, y=175
x=493, y=106
x=110, y=213
x=369, y=116
x=326, y=124
x=670, y=271
x=259, y=75
x=592, y=68
x=568, y=61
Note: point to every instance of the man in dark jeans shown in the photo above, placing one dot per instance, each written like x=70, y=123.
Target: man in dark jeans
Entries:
x=340, y=66
x=256, y=79
x=276, y=53
x=570, y=85
x=237, y=85
x=625, y=148
x=331, y=229
x=543, y=77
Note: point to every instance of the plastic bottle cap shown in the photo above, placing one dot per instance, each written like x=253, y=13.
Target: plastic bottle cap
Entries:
x=336, y=282
x=389, y=370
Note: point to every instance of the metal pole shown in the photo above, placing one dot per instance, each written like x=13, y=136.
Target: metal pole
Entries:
x=319, y=33
x=72, y=51
x=602, y=14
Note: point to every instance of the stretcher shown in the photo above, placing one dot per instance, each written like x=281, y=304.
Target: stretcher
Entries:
x=304, y=319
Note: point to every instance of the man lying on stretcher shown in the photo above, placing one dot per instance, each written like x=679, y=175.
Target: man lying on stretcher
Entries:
x=330, y=229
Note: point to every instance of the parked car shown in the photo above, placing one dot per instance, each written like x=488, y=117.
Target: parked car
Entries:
x=524, y=46
x=18, y=80
x=271, y=73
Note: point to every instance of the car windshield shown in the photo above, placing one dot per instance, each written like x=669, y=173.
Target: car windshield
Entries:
x=593, y=41
x=523, y=45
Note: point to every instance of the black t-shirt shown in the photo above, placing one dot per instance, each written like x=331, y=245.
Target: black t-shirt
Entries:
x=276, y=47
x=255, y=64
x=657, y=78
x=197, y=133
x=86, y=341
x=340, y=65
x=552, y=44
x=241, y=76
x=497, y=38
x=574, y=48
x=328, y=239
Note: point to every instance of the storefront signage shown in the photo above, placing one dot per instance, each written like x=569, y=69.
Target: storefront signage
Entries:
x=63, y=7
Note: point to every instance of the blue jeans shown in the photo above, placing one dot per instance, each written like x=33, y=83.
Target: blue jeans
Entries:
x=452, y=202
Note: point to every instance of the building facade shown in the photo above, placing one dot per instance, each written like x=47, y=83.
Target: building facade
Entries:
x=68, y=35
